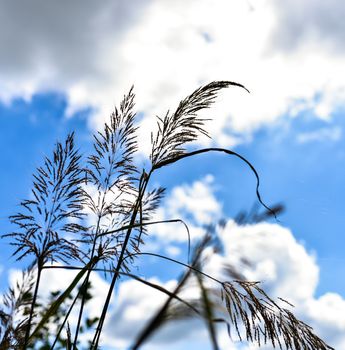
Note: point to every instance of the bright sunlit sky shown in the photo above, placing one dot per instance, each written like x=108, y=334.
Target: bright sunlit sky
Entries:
x=63, y=67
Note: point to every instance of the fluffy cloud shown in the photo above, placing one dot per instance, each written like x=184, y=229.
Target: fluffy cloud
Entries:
x=195, y=203
x=261, y=252
x=196, y=199
x=269, y=253
x=272, y=256
x=265, y=252
x=93, y=53
x=288, y=270
x=136, y=304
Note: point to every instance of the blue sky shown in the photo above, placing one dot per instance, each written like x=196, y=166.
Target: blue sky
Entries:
x=291, y=126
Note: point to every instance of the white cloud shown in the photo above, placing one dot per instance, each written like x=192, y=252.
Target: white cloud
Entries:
x=194, y=203
x=94, y=53
x=270, y=253
x=265, y=252
x=326, y=313
x=323, y=134
x=173, y=250
x=135, y=305
x=309, y=22
x=274, y=257
x=197, y=200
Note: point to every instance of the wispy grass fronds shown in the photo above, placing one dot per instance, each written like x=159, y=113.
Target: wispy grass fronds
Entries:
x=183, y=126
x=55, y=208
x=111, y=165
x=255, y=316
x=111, y=171
x=16, y=304
x=110, y=168
x=264, y=320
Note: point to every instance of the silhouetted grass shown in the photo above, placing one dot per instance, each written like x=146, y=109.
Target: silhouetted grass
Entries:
x=105, y=206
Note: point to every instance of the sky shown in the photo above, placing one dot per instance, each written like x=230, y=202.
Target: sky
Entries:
x=63, y=68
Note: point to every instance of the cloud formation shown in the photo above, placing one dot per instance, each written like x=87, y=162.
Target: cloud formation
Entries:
x=261, y=252
x=94, y=53
x=195, y=203
x=272, y=256
x=309, y=22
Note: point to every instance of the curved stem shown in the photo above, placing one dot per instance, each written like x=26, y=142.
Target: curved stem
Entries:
x=215, y=149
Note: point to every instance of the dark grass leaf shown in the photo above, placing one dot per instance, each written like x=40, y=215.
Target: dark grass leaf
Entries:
x=172, y=295
x=167, y=310
x=65, y=295
x=208, y=312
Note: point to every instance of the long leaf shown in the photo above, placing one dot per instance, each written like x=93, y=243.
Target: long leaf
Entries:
x=160, y=317
x=208, y=311
x=57, y=303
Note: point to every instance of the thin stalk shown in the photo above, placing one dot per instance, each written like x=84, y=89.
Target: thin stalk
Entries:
x=66, y=317
x=176, y=262
x=27, y=333
x=86, y=281
x=223, y=150
x=142, y=187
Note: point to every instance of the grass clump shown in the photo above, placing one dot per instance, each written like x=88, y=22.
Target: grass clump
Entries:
x=93, y=214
